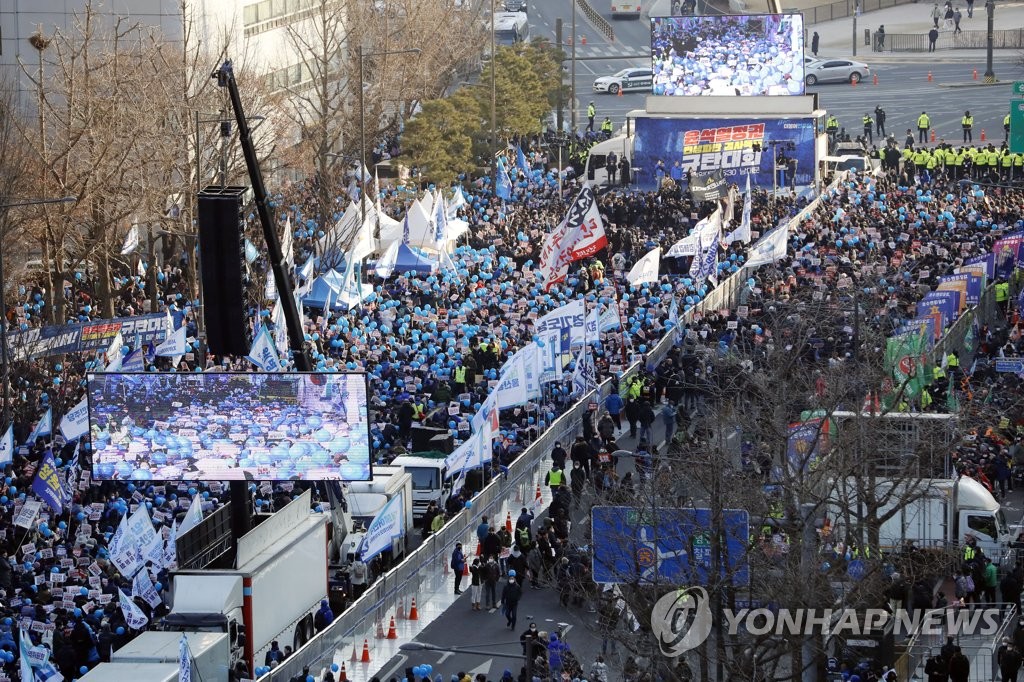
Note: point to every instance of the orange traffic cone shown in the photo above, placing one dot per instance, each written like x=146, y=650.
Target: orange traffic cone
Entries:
x=975, y=74
x=583, y=39
x=933, y=134
x=355, y=648
x=874, y=79
x=380, y=630
x=619, y=93
x=444, y=565
x=413, y=613
x=537, y=496
x=342, y=674
x=508, y=522
x=929, y=76
x=366, y=651
x=983, y=138
x=465, y=570
x=853, y=83
x=479, y=549
x=391, y=629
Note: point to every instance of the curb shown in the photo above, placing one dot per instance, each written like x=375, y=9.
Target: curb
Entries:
x=973, y=84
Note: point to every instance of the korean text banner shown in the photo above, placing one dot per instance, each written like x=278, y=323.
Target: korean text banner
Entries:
x=735, y=147
x=208, y=426
x=90, y=336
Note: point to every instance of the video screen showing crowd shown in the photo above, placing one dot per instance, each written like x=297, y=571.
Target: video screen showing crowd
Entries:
x=229, y=426
x=743, y=55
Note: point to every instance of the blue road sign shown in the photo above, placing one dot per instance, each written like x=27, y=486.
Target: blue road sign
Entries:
x=667, y=546
x=1015, y=365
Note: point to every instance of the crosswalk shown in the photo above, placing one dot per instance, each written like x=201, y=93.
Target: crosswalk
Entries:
x=611, y=50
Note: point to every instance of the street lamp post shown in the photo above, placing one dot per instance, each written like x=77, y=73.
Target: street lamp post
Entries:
x=3, y=298
x=362, y=118
x=990, y=74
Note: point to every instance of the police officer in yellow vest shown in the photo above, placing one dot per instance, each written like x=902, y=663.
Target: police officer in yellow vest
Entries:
x=832, y=127
x=460, y=379
x=606, y=126
x=591, y=112
x=923, y=124
x=967, y=123
x=970, y=549
x=1002, y=294
x=556, y=477
x=868, y=121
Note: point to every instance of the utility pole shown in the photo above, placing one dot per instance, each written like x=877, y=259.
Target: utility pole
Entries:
x=856, y=13
x=559, y=114
x=494, y=108
x=990, y=74
x=572, y=76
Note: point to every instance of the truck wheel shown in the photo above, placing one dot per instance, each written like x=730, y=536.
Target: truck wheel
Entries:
x=303, y=632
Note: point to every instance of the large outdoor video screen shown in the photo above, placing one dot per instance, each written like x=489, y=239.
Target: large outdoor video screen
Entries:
x=203, y=426
x=728, y=55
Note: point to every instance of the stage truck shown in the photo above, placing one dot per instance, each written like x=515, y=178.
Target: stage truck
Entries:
x=776, y=141
x=272, y=593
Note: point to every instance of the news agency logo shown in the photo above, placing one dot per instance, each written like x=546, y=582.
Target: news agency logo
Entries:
x=681, y=621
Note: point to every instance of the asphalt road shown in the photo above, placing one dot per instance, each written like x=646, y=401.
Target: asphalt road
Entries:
x=903, y=88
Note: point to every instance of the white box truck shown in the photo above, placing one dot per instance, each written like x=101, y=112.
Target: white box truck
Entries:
x=279, y=579
x=209, y=652
x=366, y=498
x=929, y=512
x=133, y=672
x=428, y=482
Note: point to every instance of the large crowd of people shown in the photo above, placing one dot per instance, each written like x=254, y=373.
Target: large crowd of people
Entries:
x=428, y=341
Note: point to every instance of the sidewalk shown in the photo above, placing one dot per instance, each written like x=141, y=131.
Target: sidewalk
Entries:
x=836, y=37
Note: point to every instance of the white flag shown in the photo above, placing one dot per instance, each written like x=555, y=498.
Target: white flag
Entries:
x=75, y=423
x=175, y=344
x=143, y=587
x=646, y=269
x=171, y=548
x=769, y=248
x=124, y=553
x=287, y=246
x=7, y=447
x=184, y=661
x=133, y=615
x=263, y=354
x=131, y=240
x=193, y=517
x=24, y=657
x=580, y=235
x=388, y=524
x=571, y=315
x=704, y=231
x=742, y=233
x=43, y=428
x=584, y=376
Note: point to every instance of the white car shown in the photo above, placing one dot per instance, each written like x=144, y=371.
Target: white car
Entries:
x=624, y=81
x=836, y=71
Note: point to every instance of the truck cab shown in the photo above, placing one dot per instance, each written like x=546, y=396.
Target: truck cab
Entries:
x=428, y=481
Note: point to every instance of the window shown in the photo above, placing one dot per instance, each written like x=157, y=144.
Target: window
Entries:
x=985, y=525
x=424, y=478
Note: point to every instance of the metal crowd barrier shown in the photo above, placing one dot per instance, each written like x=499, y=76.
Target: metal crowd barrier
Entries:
x=425, y=564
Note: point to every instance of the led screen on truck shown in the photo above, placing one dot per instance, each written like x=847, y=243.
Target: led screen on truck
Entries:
x=728, y=55
x=229, y=426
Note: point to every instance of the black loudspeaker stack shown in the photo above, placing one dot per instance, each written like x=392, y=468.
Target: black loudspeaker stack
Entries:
x=221, y=260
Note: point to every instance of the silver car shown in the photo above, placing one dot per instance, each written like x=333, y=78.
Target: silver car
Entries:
x=624, y=81
x=835, y=71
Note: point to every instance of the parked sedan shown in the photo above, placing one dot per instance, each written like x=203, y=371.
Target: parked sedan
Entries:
x=836, y=71
x=625, y=80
